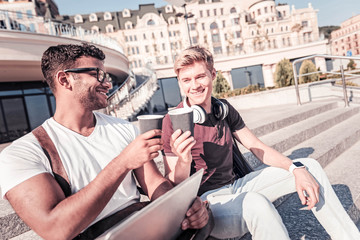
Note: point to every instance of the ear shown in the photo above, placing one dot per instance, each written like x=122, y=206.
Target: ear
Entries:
x=213, y=74
x=62, y=79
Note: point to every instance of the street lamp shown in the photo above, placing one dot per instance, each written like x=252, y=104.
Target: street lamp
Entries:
x=182, y=3
x=186, y=16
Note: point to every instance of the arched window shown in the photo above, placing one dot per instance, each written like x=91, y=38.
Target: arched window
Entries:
x=128, y=25
x=214, y=25
x=126, y=13
x=109, y=28
x=150, y=22
x=168, y=9
x=78, y=18
x=95, y=29
x=233, y=10
x=107, y=16
x=93, y=17
x=171, y=21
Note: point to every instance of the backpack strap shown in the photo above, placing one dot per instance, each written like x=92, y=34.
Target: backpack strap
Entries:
x=52, y=155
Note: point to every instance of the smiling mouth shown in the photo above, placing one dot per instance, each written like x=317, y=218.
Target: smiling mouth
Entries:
x=198, y=92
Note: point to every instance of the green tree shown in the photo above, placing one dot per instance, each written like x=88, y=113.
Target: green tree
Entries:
x=308, y=67
x=220, y=85
x=351, y=65
x=284, y=73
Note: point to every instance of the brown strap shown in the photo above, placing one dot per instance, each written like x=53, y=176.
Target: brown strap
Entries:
x=54, y=159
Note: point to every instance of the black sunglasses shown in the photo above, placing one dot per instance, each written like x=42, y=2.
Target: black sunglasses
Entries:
x=101, y=76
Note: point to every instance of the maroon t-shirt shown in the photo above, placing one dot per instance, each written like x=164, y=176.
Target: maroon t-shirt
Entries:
x=213, y=148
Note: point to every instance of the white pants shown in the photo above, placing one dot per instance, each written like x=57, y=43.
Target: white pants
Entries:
x=246, y=205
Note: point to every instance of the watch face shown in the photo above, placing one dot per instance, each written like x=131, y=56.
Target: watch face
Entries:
x=298, y=164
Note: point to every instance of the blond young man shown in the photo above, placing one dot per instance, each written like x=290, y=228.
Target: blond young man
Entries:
x=242, y=205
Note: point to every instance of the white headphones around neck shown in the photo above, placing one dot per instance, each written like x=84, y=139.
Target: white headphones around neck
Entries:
x=219, y=109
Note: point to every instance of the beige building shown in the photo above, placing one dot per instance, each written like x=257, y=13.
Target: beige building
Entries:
x=247, y=37
x=346, y=40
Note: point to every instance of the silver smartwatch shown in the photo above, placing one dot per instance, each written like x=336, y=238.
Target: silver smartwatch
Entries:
x=295, y=165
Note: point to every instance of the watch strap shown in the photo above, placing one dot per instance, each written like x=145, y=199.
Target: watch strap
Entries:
x=293, y=166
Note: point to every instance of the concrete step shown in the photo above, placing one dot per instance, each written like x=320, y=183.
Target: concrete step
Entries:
x=262, y=121
x=328, y=145
x=288, y=137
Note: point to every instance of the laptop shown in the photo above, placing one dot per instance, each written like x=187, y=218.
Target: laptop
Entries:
x=161, y=219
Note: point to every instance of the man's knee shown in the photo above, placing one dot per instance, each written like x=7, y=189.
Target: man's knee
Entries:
x=257, y=204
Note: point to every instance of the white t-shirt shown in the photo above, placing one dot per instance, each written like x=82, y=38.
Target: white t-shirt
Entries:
x=83, y=158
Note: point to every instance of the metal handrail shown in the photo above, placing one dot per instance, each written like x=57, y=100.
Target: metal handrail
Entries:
x=323, y=56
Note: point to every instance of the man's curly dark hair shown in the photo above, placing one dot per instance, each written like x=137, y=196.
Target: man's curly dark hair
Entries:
x=61, y=57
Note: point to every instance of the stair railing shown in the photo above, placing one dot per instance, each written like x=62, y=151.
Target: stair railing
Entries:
x=296, y=76
x=126, y=104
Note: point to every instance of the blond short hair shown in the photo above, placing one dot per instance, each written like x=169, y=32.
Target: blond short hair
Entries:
x=191, y=55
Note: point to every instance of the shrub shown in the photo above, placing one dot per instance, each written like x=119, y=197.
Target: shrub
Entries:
x=351, y=65
x=308, y=67
x=220, y=85
x=284, y=75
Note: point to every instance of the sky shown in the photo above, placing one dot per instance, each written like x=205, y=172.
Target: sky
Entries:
x=331, y=12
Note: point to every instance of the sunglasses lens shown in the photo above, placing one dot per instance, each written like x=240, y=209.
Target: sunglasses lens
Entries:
x=101, y=76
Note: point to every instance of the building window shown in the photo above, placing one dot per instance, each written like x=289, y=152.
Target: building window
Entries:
x=170, y=34
x=304, y=23
x=137, y=50
x=95, y=29
x=201, y=13
x=126, y=13
x=153, y=35
x=233, y=10
x=168, y=9
x=107, y=16
x=217, y=50
x=19, y=15
x=150, y=22
x=288, y=40
x=29, y=14
x=161, y=34
x=130, y=38
x=126, y=39
x=195, y=40
x=284, y=14
x=203, y=26
x=163, y=47
x=93, y=17
x=265, y=9
x=215, y=13
x=146, y=48
x=208, y=13
x=144, y=36
x=237, y=34
x=213, y=26
x=109, y=28
x=221, y=11
x=235, y=21
x=259, y=12
x=192, y=26
x=78, y=19
x=32, y=27
x=223, y=23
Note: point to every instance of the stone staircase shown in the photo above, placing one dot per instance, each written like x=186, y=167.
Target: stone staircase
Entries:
x=323, y=130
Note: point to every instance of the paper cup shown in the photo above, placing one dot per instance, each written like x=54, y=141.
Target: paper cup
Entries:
x=149, y=122
x=182, y=118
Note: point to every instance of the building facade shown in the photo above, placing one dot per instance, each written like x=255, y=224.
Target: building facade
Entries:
x=346, y=40
x=246, y=37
